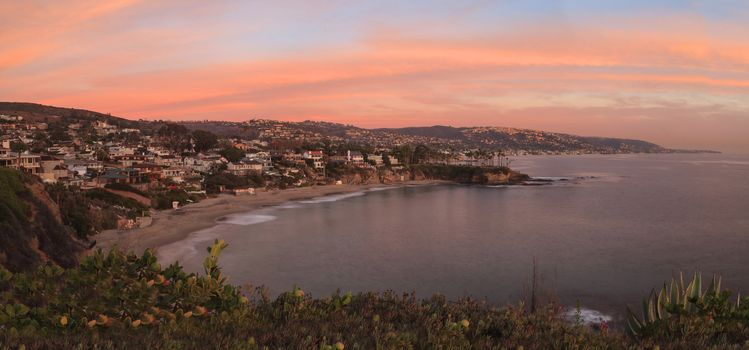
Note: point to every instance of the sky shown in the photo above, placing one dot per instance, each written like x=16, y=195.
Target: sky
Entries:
x=671, y=72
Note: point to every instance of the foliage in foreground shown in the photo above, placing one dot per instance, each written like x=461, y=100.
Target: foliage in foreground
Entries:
x=119, y=300
x=685, y=312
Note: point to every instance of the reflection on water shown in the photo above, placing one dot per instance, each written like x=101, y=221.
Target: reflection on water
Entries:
x=607, y=231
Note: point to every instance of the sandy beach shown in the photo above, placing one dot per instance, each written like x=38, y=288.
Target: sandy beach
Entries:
x=170, y=226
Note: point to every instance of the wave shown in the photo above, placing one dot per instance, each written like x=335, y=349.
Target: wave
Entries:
x=587, y=316
x=185, y=249
x=289, y=205
x=332, y=198
x=552, y=178
x=383, y=188
x=246, y=219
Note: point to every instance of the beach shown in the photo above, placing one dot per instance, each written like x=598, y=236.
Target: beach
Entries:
x=169, y=226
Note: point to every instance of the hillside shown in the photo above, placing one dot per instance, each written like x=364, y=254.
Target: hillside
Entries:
x=508, y=140
x=31, y=228
x=43, y=113
x=531, y=140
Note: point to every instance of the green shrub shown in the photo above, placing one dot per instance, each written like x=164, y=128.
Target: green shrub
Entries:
x=10, y=187
x=119, y=300
x=163, y=200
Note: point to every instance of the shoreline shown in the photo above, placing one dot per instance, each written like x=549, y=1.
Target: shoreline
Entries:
x=169, y=226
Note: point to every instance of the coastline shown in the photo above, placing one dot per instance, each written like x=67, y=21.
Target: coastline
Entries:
x=169, y=226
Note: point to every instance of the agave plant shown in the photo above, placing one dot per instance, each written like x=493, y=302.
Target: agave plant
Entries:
x=674, y=299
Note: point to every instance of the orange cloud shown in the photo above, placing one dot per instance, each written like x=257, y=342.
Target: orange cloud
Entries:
x=549, y=76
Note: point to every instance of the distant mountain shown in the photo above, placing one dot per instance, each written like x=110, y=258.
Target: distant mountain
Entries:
x=530, y=140
x=310, y=132
x=40, y=113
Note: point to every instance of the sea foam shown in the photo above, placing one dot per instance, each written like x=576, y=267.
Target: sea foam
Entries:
x=332, y=198
x=247, y=219
x=587, y=316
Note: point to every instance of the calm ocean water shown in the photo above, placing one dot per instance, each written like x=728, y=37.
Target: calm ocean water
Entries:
x=606, y=232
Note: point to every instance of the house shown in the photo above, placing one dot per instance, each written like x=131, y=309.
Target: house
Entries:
x=81, y=167
x=244, y=167
x=377, y=159
x=176, y=174
x=124, y=175
x=26, y=162
x=129, y=160
x=241, y=191
x=355, y=157
x=263, y=158
x=103, y=128
x=293, y=157
x=168, y=161
x=150, y=172
x=316, y=157
x=53, y=169
x=393, y=159
x=115, y=151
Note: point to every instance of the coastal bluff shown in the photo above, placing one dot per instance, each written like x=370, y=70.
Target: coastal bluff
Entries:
x=431, y=172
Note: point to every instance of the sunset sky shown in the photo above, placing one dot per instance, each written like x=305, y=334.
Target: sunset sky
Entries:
x=672, y=72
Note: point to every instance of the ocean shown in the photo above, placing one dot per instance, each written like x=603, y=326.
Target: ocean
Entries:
x=603, y=232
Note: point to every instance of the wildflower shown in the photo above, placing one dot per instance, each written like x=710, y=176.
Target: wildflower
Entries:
x=91, y=324
x=200, y=311
x=339, y=346
x=64, y=321
x=102, y=320
x=136, y=323
x=147, y=318
x=187, y=314
x=465, y=323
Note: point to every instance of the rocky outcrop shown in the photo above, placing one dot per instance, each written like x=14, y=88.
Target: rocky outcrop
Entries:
x=453, y=173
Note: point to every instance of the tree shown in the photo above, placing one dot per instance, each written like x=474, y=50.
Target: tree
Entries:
x=404, y=154
x=232, y=154
x=174, y=136
x=57, y=132
x=386, y=159
x=204, y=140
x=18, y=147
x=421, y=154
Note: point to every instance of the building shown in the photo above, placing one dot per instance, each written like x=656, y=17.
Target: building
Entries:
x=80, y=167
x=377, y=159
x=26, y=162
x=244, y=167
x=149, y=172
x=316, y=157
x=176, y=174
x=355, y=157
x=53, y=169
x=123, y=176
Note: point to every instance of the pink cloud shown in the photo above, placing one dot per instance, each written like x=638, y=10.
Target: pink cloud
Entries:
x=566, y=78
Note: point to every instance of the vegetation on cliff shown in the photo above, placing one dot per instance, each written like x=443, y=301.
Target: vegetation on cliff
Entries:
x=41, y=222
x=119, y=300
x=453, y=173
x=31, y=228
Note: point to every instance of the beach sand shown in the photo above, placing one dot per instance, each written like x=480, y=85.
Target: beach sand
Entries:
x=170, y=226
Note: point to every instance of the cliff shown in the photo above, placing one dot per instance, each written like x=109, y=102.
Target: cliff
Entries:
x=31, y=226
x=452, y=173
